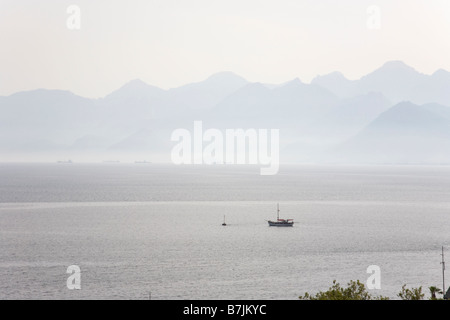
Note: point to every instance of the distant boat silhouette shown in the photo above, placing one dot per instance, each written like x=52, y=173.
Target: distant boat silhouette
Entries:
x=281, y=222
x=224, y=224
x=65, y=161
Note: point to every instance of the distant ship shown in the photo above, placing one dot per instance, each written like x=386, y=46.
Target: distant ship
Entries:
x=224, y=224
x=65, y=161
x=281, y=222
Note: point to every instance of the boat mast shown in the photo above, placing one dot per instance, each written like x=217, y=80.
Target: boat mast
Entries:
x=278, y=211
x=443, y=272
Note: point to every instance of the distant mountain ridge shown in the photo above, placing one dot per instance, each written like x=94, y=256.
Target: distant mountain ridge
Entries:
x=395, y=80
x=395, y=110
x=406, y=133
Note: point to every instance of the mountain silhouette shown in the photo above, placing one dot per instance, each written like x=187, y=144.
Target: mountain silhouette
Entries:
x=394, y=114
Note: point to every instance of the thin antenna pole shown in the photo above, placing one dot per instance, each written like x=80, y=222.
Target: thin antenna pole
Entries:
x=443, y=272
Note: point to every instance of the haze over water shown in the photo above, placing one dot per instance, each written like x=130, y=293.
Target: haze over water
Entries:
x=143, y=229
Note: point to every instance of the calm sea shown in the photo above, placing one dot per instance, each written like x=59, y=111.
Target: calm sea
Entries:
x=140, y=231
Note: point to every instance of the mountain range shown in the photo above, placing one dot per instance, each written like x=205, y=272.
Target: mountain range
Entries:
x=391, y=115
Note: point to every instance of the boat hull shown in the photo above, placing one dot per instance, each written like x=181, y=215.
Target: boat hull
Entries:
x=280, y=224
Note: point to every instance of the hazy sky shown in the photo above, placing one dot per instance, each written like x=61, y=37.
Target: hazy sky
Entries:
x=168, y=43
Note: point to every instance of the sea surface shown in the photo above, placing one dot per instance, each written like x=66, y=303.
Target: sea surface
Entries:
x=152, y=231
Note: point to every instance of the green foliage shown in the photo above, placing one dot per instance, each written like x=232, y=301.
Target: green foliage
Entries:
x=355, y=291
x=411, y=294
x=433, y=291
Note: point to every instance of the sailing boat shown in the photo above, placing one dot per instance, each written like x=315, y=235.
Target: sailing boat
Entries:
x=224, y=224
x=281, y=222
